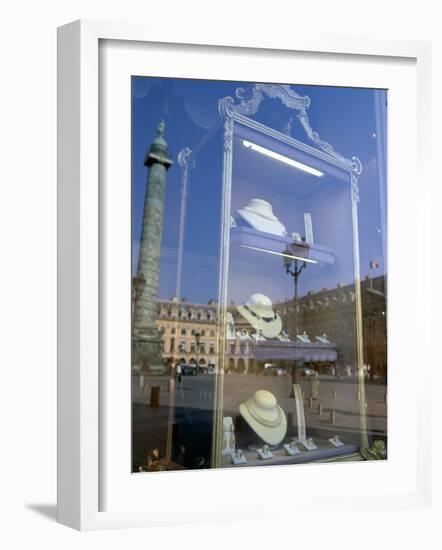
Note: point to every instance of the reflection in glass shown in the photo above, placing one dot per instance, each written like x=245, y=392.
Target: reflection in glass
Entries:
x=270, y=285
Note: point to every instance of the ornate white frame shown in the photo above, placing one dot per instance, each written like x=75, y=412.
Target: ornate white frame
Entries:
x=79, y=252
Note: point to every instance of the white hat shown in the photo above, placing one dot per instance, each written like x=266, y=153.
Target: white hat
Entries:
x=259, y=215
x=266, y=418
x=258, y=312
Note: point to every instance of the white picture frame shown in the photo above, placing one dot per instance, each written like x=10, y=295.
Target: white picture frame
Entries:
x=81, y=395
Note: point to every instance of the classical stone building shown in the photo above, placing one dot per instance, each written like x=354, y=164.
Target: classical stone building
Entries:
x=332, y=311
x=238, y=351
x=189, y=332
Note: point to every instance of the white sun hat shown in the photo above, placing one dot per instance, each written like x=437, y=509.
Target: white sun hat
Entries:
x=258, y=312
x=266, y=418
x=259, y=215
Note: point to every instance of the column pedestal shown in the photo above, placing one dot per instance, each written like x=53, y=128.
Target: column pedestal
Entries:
x=147, y=347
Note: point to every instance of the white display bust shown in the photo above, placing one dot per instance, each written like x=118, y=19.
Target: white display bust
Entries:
x=266, y=418
x=258, y=312
x=258, y=214
x=303, y=337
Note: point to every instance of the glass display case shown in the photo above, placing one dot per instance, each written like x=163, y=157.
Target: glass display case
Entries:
x=265, y=360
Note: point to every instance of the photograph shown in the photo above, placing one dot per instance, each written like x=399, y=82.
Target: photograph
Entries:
x=221, y=281
x=258, y=275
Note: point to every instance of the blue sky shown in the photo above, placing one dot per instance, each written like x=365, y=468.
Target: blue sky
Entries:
x=345, y=117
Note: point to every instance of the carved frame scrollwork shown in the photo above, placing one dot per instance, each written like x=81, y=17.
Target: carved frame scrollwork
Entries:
x=228, y=134
x=184, y=156
x=248, y=102
x=250, y=99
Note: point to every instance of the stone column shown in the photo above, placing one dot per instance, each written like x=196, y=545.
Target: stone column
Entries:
x=147, y=341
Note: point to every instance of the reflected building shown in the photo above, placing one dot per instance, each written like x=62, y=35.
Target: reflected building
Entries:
x=189, y=332
x=332, y=311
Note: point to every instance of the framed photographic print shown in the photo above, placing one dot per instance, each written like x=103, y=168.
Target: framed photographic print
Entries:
x=233, y=222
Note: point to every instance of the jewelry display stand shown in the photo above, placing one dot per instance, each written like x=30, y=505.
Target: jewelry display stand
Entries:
x=291, y=449
x=228, y=436
x=254, y=447
x=336, y=442
x=309, y=444
x=300, y=416
x=238, y=458
x=264, y=453
x=324, y=452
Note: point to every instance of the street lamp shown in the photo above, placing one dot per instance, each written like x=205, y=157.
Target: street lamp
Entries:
x=197, y=341
x=294, y=266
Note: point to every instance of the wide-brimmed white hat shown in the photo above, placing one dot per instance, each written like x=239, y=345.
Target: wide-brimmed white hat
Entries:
x=259, y=215
x=266, y=418
x=258, y=312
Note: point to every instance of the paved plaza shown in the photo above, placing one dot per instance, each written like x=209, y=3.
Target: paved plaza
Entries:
x=150, y=423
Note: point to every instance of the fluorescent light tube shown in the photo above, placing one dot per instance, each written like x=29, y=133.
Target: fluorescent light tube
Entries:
x=282, y=158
